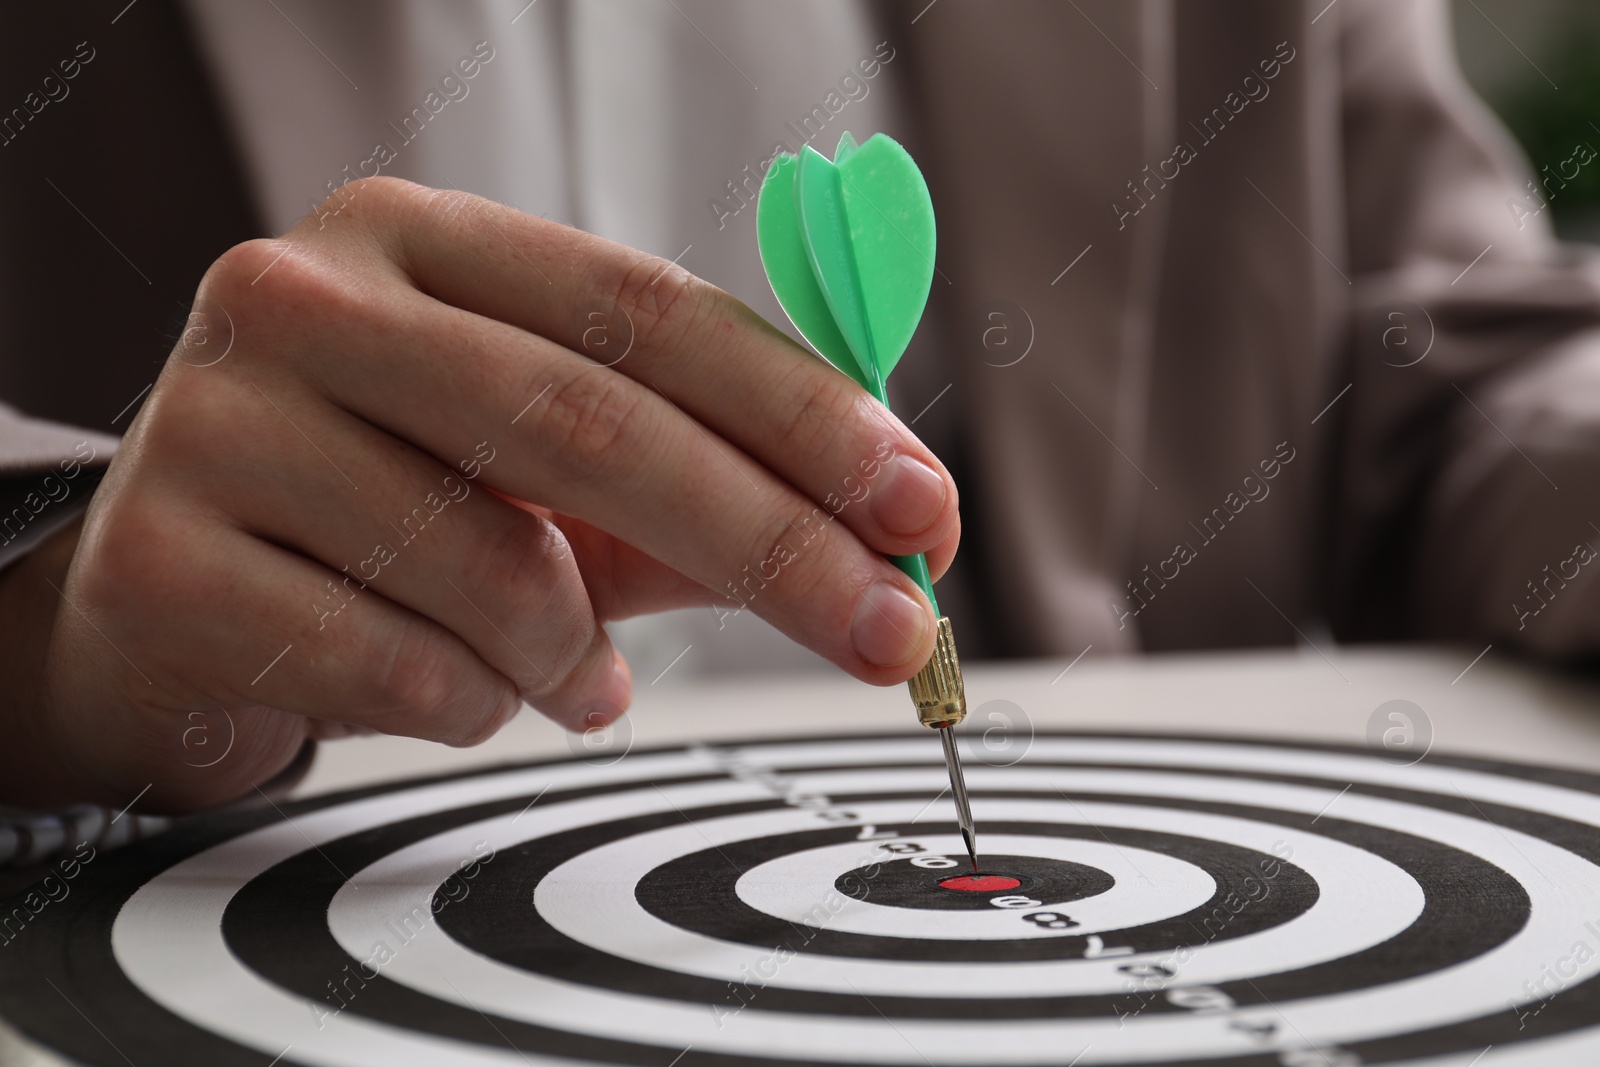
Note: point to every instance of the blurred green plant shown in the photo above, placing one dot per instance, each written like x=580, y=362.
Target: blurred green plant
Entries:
x=1560, y=128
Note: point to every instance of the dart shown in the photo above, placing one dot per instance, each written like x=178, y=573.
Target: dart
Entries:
x=848, y=247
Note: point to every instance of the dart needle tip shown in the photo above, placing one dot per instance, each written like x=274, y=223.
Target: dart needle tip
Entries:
x=958, y=792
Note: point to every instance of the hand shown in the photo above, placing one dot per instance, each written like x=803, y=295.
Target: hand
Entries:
x=406, y=461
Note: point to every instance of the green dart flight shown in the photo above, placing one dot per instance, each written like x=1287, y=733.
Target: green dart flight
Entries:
x=848, y=247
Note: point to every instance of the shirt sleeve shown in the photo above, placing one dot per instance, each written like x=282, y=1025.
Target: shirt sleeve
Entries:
x=47, y=473
x=1468, y=468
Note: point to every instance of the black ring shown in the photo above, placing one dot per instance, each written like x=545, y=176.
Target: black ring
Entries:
x=68, y=942
x=721, y=914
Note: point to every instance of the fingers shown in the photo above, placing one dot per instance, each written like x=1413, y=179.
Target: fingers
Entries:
x=396, y=524
x=941, y=555
x=302, y=528
x=598, y=445
x=714, y=358
x=624, y=582
x=382, y=666
x=168, y=611
x=624, y=456
x=625, y=459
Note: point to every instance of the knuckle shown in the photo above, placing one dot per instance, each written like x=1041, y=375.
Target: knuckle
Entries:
x=187, y=419
x=561, y=629
x=379, y=195
x=130, y=557
x=523, y=564
x=420, y=674
x=226, y=281
x=568, y=653
x=785, y=552
x=591, y=423
x=444, y=205
x=663, y=300
x=269, y=284
x=567, y=659
x=476, y=733
x=827, y=404
x=530, y=570
x=389, y=191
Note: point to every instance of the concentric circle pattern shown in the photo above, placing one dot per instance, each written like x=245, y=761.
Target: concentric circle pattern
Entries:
x=1141, y=900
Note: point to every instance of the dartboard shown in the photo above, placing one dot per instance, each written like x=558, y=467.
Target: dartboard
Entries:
x=1139, y=900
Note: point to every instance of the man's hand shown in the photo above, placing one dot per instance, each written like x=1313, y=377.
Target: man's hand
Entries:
x=407, y=460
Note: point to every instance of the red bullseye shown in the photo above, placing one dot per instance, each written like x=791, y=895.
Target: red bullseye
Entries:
x=980, y=883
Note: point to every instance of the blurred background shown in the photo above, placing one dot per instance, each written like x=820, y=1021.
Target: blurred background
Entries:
x=1537, y=63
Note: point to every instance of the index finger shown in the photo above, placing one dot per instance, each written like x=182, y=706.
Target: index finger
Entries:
x=712, y=356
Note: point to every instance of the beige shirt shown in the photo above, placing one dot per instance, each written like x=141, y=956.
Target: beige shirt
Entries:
x=1242, y=329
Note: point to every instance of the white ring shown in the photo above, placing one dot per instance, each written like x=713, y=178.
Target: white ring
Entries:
x=167, y=937
x=1148, y=887
x=591, y=901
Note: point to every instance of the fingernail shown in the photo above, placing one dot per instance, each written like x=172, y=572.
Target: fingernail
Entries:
x=908, y=497
x=610, y=707
x=890, y=625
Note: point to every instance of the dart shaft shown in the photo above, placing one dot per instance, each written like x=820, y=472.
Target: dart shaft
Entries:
x=958, y=789
x=916, y=568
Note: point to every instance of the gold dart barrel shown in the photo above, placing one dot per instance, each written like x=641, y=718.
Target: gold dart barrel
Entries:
x=941, y=699
x=937, y=689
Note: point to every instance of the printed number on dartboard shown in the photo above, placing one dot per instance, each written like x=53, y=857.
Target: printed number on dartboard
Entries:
x=1040, y=920
x=1200, y=999
x=1267, y=1032
x=1318, y=1057
x=1148, y=972
x=905, y=848
x=911, y=848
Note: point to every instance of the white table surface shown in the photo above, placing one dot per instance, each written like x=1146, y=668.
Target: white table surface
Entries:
x=1500, y=707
